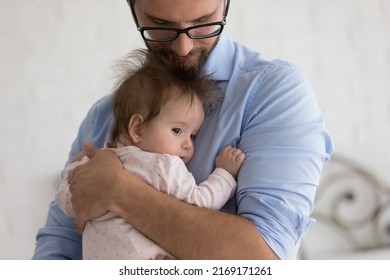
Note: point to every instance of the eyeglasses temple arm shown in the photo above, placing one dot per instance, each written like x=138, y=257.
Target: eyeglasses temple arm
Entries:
x=133, y=13
x=226, y=10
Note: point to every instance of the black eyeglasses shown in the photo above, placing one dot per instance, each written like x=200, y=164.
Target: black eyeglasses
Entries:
x=166, y=34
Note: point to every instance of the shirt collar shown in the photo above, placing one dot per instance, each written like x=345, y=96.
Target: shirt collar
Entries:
x=219, y=64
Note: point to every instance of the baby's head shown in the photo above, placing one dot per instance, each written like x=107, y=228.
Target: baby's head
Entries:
x=158, y=109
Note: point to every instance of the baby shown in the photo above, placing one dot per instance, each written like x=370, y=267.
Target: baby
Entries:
x=157, y=114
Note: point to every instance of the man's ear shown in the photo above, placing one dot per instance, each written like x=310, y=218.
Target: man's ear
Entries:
x=135, y=128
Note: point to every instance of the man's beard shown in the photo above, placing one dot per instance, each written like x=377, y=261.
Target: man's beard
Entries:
x=171, y=59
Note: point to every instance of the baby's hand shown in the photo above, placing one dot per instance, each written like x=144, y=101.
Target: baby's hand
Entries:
x=230, y=159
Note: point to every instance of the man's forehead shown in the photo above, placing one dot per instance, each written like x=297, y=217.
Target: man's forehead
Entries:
x=177, y=11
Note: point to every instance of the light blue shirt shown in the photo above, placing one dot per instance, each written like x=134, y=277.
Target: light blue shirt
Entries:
x=270, y=112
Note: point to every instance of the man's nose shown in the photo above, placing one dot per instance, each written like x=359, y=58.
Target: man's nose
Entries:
x=183, y=45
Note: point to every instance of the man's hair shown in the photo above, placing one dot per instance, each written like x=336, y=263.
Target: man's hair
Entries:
x=144, y=87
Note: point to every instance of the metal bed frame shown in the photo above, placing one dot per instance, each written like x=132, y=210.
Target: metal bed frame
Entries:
x=352, y=209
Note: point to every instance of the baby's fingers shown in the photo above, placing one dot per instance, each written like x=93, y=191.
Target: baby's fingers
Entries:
x=240, y=157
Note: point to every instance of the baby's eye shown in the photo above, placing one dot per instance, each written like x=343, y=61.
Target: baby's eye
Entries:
x=176, y=131
x=193, y=136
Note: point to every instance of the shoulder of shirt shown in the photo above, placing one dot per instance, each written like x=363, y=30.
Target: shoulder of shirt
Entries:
x=103, y=104
x=231, y=59
x=249, y=60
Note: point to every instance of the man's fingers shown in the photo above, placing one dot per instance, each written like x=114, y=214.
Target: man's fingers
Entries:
x=89, y=149
x=70, y=177
x=78, y=157
x=79, y=224
x=162, y=257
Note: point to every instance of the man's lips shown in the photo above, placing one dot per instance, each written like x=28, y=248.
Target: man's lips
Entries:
x=184, y=60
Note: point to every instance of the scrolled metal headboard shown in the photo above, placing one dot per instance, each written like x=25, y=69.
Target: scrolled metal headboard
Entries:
x=353, y=206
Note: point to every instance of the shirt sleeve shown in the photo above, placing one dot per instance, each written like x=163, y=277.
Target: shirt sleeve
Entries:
x=172, y=177
x=286, y=144
x=58, y=238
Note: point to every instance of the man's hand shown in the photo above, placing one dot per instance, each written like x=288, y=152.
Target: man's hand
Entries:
x=91, y=184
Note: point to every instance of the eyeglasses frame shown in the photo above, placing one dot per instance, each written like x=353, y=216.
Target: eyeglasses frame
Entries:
x=185, y=30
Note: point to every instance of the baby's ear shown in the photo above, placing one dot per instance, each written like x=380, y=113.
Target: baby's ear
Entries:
x=135, y=128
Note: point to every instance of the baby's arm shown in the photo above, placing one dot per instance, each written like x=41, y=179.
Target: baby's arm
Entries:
x=213, y=193
x=221, y=185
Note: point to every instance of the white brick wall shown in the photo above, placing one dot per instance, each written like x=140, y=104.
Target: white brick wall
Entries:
x=55, y=59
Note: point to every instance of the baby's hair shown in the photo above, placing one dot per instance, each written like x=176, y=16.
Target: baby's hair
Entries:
x=144, y=87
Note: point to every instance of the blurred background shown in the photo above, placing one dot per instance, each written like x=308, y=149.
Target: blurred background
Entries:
x=56, y=60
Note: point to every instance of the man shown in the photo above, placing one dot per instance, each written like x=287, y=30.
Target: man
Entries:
x=268, y=110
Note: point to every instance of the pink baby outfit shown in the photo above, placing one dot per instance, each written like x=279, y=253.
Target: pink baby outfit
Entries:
x=111, y=237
